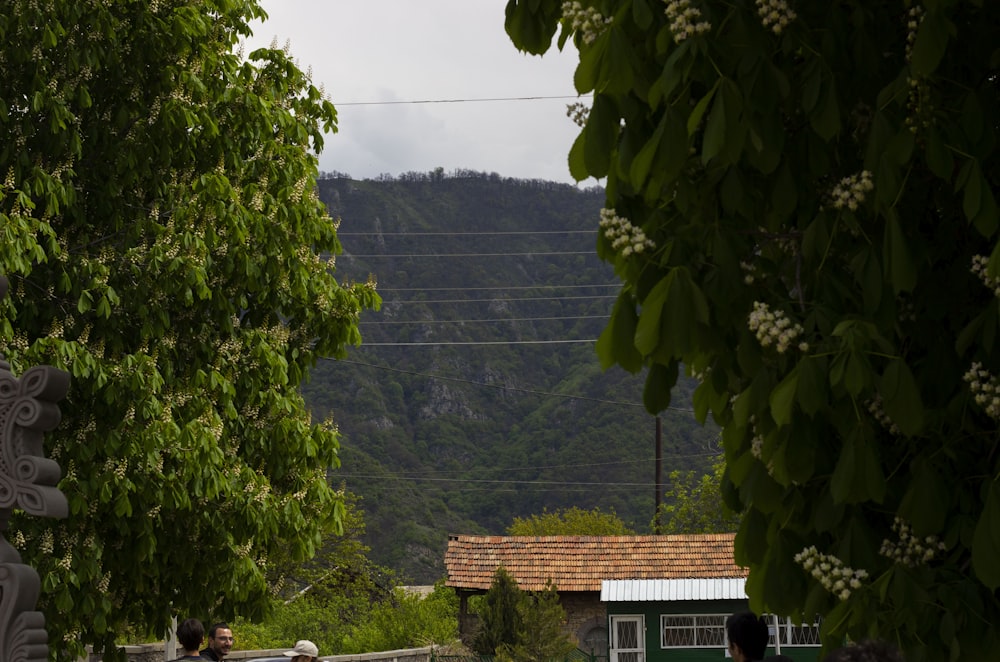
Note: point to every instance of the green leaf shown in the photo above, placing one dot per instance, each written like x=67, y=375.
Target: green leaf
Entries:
x=659, y=381
x=602, y=132
x=648, y=332
x=715, y=131
x=901, y=397
x=902, y=268
x=858, y=475
x=826, y=119
x=972, y=200
x=616, y=343
x=643, y=161
x=927, y=501
x=783, y=398
x=939, y=157
x=694, y=119
x=986, y=540
x=930, y=44
x=812, y=391
x=577, y=163
x=642, y=14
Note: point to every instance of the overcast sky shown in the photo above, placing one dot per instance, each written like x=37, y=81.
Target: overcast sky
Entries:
x=369, y=53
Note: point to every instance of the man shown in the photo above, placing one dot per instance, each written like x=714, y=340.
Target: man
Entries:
x=747, y=636
x=190, y=634
x=304, y=651
x=220, y=642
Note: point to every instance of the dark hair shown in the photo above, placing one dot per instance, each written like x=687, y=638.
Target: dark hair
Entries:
x=221, y=625
x=190, y=633
x=749, y=632
x=866, y=651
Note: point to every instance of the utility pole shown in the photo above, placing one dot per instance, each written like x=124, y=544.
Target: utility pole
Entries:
x=659, y=476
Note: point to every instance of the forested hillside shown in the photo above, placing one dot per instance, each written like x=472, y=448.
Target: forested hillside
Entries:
x=477, y=396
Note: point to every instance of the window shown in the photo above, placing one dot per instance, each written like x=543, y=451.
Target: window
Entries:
x=693, y=630
x=791, y=635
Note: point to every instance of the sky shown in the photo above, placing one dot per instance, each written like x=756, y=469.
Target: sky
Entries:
x=369, y=55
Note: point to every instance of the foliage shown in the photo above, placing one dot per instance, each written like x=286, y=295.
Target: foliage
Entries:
x=541, y=638
x=694, y=503
x=570, y=522
x=162, y=236
x=346, y=604
x=499, y=614
x=518, y=625
x=407, y=621
x=801, y=204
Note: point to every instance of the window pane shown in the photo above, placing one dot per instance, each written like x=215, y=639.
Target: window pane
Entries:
x=627, y=634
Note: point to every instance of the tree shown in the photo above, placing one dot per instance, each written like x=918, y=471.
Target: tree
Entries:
x=801, y=205
x=515, y=625
x=165, y=245
x=694, y=504
x=499, y=615
x=541, y=637
x=570, y=522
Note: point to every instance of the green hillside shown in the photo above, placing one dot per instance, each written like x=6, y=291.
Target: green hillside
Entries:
x=477, y=396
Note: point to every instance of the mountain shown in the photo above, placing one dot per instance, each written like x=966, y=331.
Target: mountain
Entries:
x=477, y=396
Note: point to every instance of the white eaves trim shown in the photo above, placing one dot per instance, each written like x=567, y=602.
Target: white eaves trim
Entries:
x=664, y=590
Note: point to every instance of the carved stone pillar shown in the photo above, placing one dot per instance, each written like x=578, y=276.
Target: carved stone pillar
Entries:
x=27, y=482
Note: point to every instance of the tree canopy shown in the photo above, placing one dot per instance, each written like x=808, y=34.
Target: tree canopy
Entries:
x=693, y=503
x=801, y=206
x=570, y=522
x=165, y=245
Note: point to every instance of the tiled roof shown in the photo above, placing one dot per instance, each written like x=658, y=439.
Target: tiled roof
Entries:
x=579, y=563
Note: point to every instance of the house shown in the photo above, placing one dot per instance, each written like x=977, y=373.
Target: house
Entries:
x=662, y=598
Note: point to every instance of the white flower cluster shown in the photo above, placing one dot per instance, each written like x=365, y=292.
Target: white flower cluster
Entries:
x=875, y=409
x=985, y=389
x=911, y=551
x=749, y=271
x=980, y=267
x=625, y=237
x=774, y=328
x=586, y=20
x=578, y=112
x=685, y=20
x=757, y=446
x=914, y=18
x=831, y=572
x=775, y=14
x=851, y=191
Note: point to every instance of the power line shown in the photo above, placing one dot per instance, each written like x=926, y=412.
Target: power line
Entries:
x=480, y=100
x=450, y=343
x=461, y=234
x=410, y=255
x=493, y=320
x=568, y=396
x=502, y=288
x=576, y=465
x=504, y=300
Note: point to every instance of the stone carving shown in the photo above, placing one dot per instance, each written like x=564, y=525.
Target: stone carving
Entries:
x=28, y=482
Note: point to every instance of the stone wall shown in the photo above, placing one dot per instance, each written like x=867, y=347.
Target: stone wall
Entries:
x=155, y=653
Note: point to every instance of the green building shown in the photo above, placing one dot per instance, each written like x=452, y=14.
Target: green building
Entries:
x=684, y=620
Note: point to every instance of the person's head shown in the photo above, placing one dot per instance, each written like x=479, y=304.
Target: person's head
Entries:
x=304, y=651
x=866, y=651
x=191, y=633
x=747, y=635
x=220, y=639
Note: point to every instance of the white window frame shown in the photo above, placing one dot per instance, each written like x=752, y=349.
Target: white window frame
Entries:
x=699, y=624
x=631, y=654
x=808, y=633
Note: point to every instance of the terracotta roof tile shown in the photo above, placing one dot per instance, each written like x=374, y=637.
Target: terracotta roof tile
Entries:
x=579, y=563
